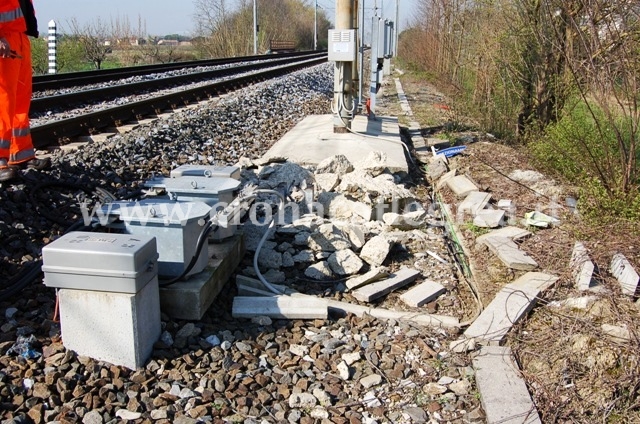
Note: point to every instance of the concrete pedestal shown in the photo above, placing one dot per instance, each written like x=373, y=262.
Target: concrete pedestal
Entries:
x=190, y=299
x=120, y=328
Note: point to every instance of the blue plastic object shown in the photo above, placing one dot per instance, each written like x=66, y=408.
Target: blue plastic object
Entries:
x=451, y=151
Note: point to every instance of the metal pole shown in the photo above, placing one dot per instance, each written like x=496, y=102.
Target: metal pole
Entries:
x=255, y=27
x=343, y=81
x=315, y=27
x=53, y=35
x=397, y=28
x=361, y=58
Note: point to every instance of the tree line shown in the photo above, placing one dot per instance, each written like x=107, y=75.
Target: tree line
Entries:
x=560, y=76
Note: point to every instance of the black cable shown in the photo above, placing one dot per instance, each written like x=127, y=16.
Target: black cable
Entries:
x=202, y=239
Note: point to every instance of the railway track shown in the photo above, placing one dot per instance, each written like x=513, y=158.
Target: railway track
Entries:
x=59, y=131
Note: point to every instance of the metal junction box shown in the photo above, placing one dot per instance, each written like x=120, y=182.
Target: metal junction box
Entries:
x=342, y=45
x=206, y=171
x=198, y=189
x=120, y=263
x=175, y=225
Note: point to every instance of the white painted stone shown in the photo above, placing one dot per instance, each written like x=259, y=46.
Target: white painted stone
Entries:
x=327, y=182
x=422, y=294
x=120, y=328
x=489, y=218
x=461, y=186
x=378, y=289
x=581, y=266
x=511, y=303
x=626, y=275
x=503, y=391
x=345, y=262
x=375, y=251
x=474, y=202
x=337, y=164
x=371, y=380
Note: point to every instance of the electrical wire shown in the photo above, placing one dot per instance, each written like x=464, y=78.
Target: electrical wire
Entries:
x=264, y=238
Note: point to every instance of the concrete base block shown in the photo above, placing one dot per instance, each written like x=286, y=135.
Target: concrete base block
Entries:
x=190, y=299
x=120, y=328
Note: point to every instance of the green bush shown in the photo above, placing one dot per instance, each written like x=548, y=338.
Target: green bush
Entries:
x=583, y=146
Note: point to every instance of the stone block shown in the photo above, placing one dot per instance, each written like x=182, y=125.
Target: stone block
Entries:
x=190, y=299
x=378, y=289
x=510, y=254
x=508, y=307
x=503, y=391
x=474, y=202
x=422, y=294
x=488, y=218
x=119, y=328
x=461, y=186
x=626, y=275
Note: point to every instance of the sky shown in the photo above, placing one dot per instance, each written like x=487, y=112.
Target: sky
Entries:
x=164, y=17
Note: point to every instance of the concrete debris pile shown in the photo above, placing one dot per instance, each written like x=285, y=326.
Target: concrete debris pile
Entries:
x=346, y=221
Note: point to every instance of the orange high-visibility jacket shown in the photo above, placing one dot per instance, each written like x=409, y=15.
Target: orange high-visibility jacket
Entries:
x=11, y=18
x=15, y=87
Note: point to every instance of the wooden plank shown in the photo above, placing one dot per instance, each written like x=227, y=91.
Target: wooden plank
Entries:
x=279, y=307
x=423, y=293
x=511, y=303
x=378, y=289
x=503, y=391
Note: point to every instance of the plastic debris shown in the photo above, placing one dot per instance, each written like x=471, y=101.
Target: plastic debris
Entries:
x=24, y=347
x=539, y=219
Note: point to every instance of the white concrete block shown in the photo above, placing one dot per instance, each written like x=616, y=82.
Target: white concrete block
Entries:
x=488, y=218
x=582, y=267
x=279, y=307
x=626, y=275
x=422, y=294
x=510, y=232
x=474, y=202
x=378, y=289
x=510, y=254
x=461, y=185
x=119, y=328
x=503, y=391
x=511, y=303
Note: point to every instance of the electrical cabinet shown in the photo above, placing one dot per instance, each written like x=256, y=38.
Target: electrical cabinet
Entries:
x=342, y=45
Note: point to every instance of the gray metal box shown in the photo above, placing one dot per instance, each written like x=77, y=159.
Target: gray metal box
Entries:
x=342, y=45
x=198, y=189
x=120, y=263
x=176, y=227
x=206, y=171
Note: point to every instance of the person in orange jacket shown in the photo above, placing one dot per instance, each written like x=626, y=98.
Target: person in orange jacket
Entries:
x=17, y=21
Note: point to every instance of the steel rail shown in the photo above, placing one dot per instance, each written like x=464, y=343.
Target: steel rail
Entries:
x=69, y=100
x=74, y=79
x=55, y=132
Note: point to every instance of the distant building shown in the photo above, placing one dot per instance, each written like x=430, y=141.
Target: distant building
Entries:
x=172, y=43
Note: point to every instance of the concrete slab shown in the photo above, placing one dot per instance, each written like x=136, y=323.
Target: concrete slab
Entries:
x=474, y=202
x=510, y=232
x=461, y=186
x=508, y=307
x=510, y=254
x=422, y=294
x=442, y=181
x=378, y=289
x=279, y=307
x=581, y=267
x=503, y=391
x=120, y=328
x=313, y=140
x=626, y=275
x=489, y=218
x=190, y=299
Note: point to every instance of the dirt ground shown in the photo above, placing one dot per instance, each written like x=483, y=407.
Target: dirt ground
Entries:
x=575, y=370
